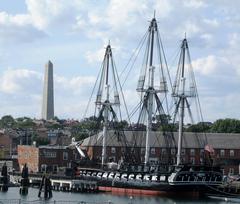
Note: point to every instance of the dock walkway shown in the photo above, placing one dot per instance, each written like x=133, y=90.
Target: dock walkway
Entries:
x=61, y=183
x=19, y=201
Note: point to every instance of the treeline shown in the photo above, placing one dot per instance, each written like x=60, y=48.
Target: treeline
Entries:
x=227, y=125
x=89, y=126
x=8, y=121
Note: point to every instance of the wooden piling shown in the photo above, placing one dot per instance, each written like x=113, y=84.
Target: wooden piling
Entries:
x=24, y=181
x=4, y=178
x=45, y=187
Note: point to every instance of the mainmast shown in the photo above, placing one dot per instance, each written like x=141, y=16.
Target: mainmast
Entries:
x=149, y=91
x=181, y=93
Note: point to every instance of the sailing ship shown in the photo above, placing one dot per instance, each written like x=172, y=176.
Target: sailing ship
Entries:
x=129, y=176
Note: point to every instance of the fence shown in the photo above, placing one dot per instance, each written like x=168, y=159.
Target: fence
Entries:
x=19, y=201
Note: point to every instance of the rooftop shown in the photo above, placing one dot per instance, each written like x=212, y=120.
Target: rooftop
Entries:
x=158, y=139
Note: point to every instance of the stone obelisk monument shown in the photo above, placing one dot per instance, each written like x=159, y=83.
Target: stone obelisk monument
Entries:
x=48, y=97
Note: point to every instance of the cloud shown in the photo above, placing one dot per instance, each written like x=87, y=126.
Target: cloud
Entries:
x=46, y=13
x=214, y=108
x=212, y=29
x=18, y=28
x=95, y=56
x=76, y=85
x=207, y=65
x=21, y=93
x=196, y=4
x=211, y=22
x=234, y=40
x=123, y=13
x=19, y=81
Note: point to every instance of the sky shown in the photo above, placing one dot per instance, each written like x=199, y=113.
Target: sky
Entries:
x=73, y=35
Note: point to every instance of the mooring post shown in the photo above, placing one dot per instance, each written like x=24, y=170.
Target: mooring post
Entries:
x=4, y=178
x=24, y=181
x=46, y=187
x=41, y=185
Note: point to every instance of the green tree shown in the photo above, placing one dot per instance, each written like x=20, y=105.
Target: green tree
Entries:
x=227, y=125
x=85, y=128
x=25, y=122
x=121, y=125
x=40, y=140
x=53, y=126
x=163, y=118
x=7, y=121
x=169, y=127
x=200, y=127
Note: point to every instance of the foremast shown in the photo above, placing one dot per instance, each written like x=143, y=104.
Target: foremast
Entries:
x=152, y=29
x=104, y=102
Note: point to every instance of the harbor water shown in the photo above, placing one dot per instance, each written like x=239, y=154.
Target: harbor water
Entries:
x=12, y=197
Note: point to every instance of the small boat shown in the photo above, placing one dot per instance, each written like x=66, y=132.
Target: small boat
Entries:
x=227, y=198
x=228, y=191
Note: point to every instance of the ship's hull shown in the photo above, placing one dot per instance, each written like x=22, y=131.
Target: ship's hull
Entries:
x=152, y=184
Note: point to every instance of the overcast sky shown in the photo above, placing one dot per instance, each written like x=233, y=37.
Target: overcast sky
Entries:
x=73, y=34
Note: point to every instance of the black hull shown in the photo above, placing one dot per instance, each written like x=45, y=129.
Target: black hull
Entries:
x=146, y=183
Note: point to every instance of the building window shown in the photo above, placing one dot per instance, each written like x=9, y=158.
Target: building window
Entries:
x=111, y=159
x=173, y=151
x=49, y=154
x=153, y=160
x=142, y=150
x=183, y=160
x=231, y=171
x=192, y=160
x=76, y=157
x=43, y=168
x=231, y=153
x=183, y=152
x=65, y=156
x=55, y=168
x=192, y=152
x=122, y=150
x=113, y=150
x=201, y=152
x=164, y=151
x=222, y=152
x=132, y=150
x=153, y=151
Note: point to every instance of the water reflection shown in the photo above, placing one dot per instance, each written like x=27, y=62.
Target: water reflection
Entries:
x=13, y=193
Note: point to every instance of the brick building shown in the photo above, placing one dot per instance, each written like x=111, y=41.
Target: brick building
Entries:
x=226, y=147
x=41, y=158
x=5, y=145
x=8, y=144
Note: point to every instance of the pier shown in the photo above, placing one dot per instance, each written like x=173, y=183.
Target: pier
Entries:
x=61, y=183
x=19, y=201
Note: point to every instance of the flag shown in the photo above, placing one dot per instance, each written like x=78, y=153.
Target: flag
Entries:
x=209, y=148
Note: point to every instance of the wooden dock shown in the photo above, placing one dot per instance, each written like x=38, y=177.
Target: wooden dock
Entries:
x=62, y=183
